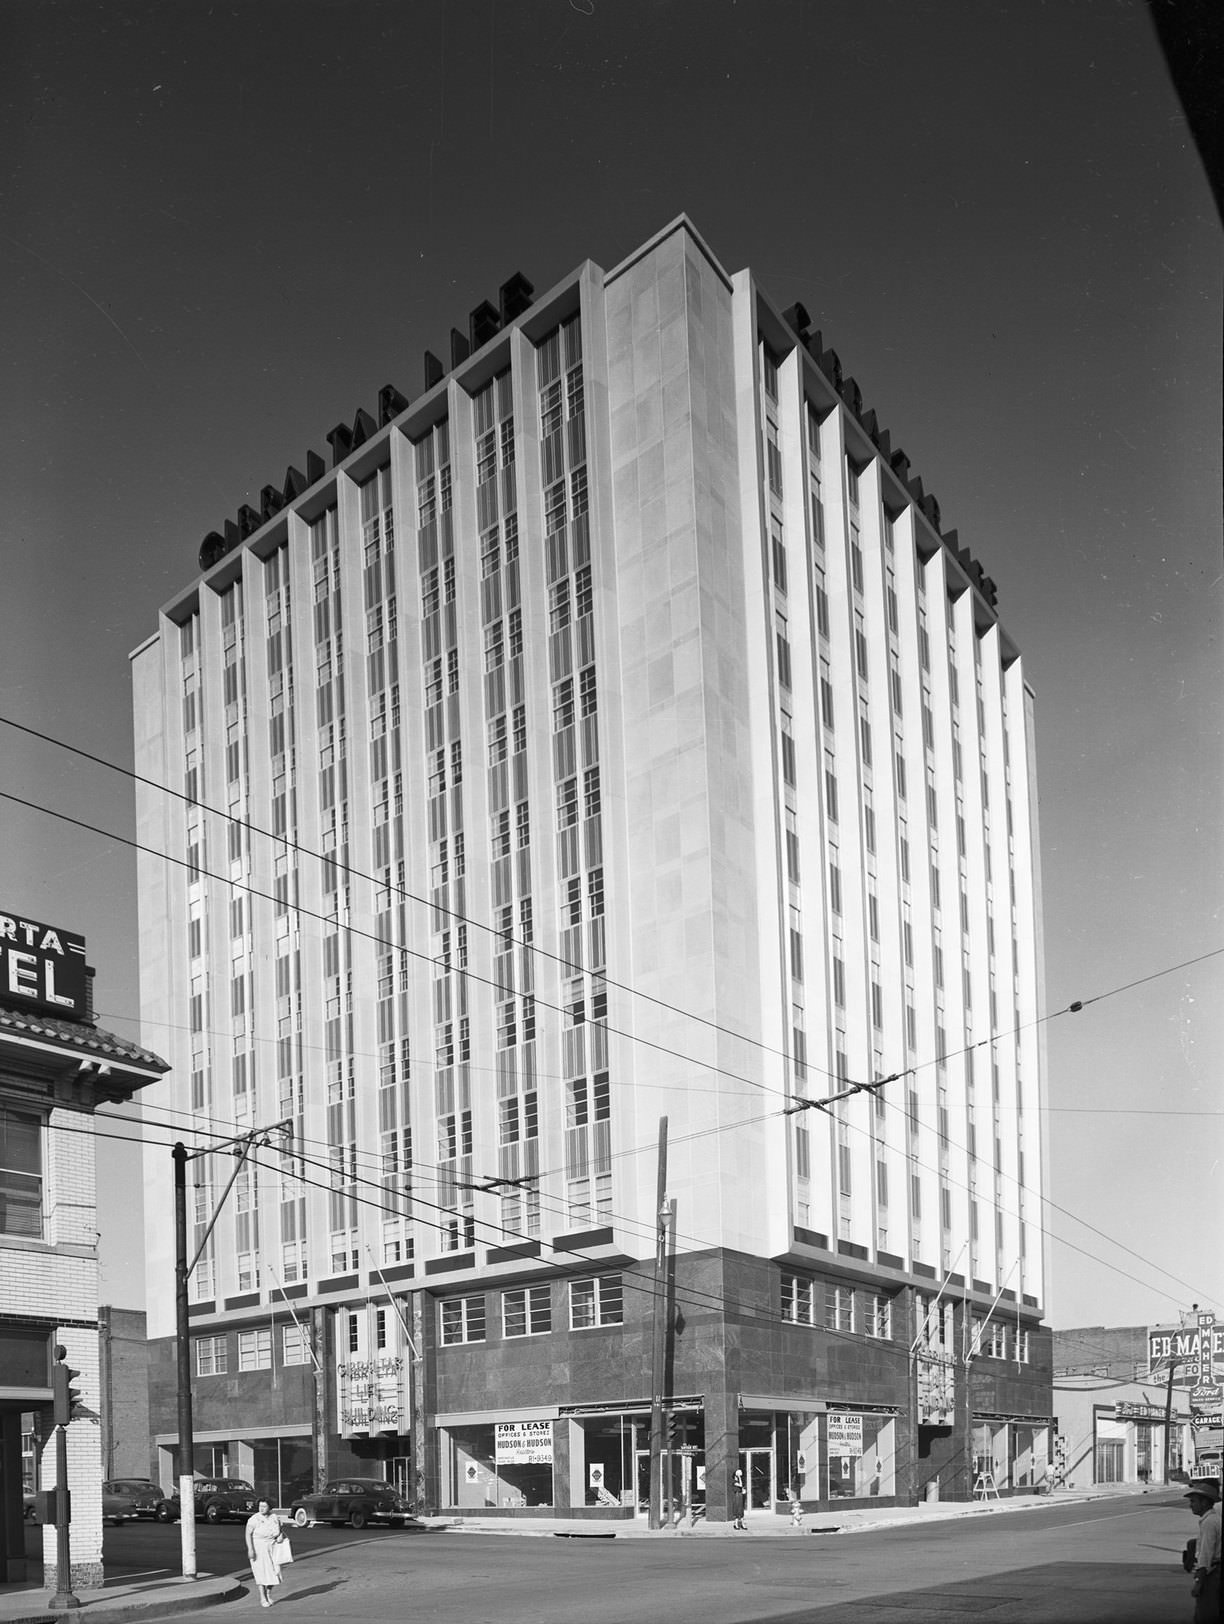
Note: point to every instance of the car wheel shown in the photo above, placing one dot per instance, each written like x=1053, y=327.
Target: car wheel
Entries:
x=213, y=1512
x=300, y=1517
x=357, y=1518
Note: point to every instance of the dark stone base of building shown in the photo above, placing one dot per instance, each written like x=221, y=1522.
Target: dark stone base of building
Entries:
x=819, y=1377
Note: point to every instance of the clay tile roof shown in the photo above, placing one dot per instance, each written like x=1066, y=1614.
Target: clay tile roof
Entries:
x=80, y=1036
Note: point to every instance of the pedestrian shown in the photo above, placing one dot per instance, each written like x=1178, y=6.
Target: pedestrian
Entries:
x=737, y=1501
x=1204, y=1498
x=263, y=1531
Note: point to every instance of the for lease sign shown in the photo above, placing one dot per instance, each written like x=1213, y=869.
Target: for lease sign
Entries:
x=41, y=967
x=523, y=1443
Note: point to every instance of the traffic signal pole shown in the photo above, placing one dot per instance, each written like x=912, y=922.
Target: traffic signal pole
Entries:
x=63, y=1403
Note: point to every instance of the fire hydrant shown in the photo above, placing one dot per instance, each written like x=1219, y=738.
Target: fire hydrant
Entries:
x=796, y=1509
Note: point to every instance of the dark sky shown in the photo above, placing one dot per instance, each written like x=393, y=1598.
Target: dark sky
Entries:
x=225, y=227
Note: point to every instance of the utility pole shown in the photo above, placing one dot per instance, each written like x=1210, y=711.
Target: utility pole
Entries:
x=186, y=1438
x=242, y=1147
x=658, y=1352
x=1174, y=1361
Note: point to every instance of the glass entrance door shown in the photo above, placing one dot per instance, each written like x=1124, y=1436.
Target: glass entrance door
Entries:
x=757, y=1467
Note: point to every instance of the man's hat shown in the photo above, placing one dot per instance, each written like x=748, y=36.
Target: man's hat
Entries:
x=1207, y=1487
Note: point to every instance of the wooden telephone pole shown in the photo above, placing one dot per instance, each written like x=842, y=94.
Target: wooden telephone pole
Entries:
x=658, y=1351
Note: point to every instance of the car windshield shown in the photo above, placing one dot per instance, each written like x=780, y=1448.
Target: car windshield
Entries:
x=236, y=1484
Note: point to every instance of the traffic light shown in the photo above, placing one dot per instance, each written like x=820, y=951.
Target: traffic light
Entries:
x=675, y=1431
x=66, y=1403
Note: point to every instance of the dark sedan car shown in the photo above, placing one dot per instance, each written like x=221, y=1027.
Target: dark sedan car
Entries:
x=217, y=1499
x=353, y=1500
x=138, y=1494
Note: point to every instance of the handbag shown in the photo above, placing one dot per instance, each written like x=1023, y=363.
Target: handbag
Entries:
x=282, y=1551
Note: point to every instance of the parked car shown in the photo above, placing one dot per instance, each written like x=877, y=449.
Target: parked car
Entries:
x=116, y=1507
x=353, y=1500
x=29, y=1507
x=141, y=1495
x=217, y=1499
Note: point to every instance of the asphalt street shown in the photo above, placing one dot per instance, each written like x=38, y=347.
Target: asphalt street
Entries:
x=1115, y=1562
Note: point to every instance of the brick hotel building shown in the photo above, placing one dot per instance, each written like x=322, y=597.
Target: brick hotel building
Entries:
x=610, y=733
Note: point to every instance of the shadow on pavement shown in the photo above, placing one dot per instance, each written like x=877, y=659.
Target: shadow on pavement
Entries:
x=1054, y=1593
x=311, y=1590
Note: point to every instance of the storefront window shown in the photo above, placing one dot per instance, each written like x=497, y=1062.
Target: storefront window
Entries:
x=1030, y=1465
x=500, y=1464
x=990, y=1455
x=861, y=1453
x=609, y=1445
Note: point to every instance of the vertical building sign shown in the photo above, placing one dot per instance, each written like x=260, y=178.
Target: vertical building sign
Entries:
x=372, y=1381
x=1206, y=1395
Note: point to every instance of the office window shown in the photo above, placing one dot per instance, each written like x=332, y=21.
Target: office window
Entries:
x=462, y=1319
x=798, y=1299
x=788, y=759
x=254, y=1350
x=21, y=1166
x=778, y=546
x=839, y=1315
x=211, y=1356
x=596, y=1302
x=567, y=803
x=877, y=1321
x=295, y=1345
x=527, y=1312
x=784, y=651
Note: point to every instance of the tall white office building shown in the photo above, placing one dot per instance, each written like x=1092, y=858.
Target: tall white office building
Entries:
x=609, y=734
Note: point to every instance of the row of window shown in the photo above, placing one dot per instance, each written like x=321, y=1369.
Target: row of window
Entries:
x=254, y=1350
x=529, y=1310
x=844, y=1308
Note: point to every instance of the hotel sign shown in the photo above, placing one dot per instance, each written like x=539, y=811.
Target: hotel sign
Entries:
x=42, y=968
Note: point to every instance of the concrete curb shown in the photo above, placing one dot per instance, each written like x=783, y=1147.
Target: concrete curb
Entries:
x=825, y=1522
x=121, y=1603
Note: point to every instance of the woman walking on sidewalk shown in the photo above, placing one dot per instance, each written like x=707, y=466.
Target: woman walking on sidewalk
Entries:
x=263, y=1532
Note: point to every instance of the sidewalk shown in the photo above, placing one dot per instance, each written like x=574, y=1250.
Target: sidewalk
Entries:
x=764, y=1524
x=169, y=1597
x=118, y=1603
